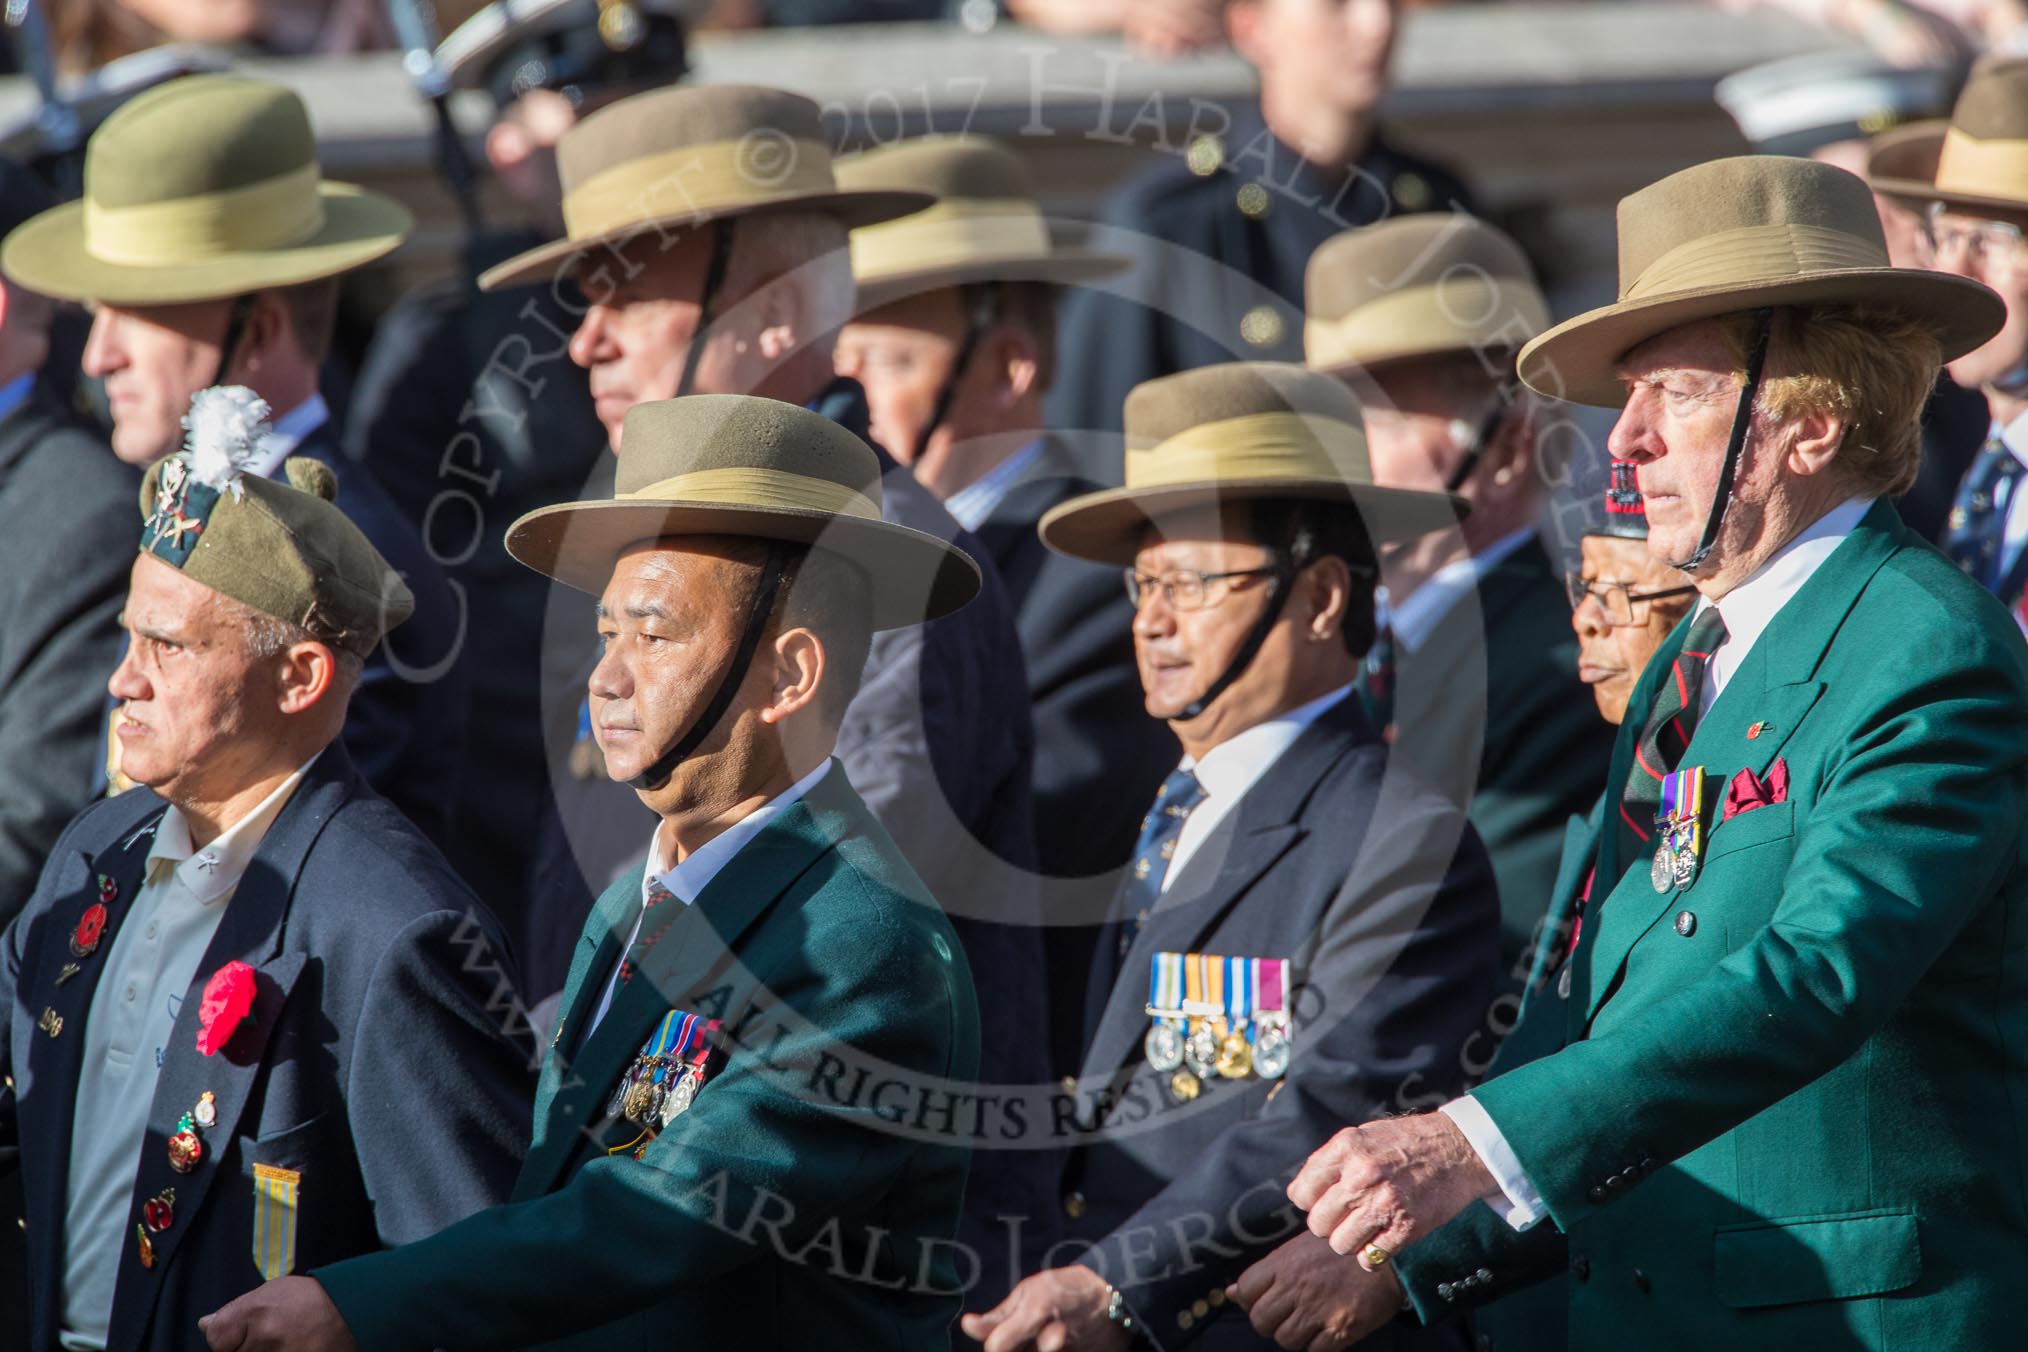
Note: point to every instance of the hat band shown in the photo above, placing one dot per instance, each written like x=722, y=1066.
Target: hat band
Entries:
x=1995, y=168
x=1252, y=446
x=1754, y=255
x=978, y=230
x=1470, y=311
x=273, y=214
x=758, y=489
x=755, y=170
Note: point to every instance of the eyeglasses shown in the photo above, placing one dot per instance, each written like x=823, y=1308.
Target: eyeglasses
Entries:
x=1989, y=243
x=1615, y=601
x=1186, y=589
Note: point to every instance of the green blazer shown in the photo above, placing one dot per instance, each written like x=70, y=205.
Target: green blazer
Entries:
x=1790, y=1109
x=808, y=1196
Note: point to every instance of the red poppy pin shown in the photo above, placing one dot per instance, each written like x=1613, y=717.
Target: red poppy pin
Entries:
x=228, y=999
x=91, y=927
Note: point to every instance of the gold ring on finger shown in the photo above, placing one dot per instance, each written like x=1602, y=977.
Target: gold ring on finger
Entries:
x=1376, y=1256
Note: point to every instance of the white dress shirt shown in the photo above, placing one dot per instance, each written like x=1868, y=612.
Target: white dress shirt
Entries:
x=1232, y=767
x=688, y=879
x=1422, y=610
x=286, y=433
x=1747, y=610
x=972, y=504
x=148, y=966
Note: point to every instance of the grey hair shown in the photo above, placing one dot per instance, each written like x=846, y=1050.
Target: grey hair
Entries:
x=270, y=636
x=808, y=248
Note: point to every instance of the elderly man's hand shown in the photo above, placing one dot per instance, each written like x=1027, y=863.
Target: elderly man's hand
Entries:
x=1061, y=1310
x=1305, y=1296
x=1386, y=1184
x=289, y=1314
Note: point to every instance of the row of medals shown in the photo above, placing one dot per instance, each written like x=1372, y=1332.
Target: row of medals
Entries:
x=1676, y=859
x=1211, y=1047
x=647, y=1095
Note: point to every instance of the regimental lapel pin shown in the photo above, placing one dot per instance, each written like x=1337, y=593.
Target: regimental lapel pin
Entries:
x=158, y=1213
x=186, y=1147
x=51, y=1022
x=145, y=1245
x=70, y=969
x=1757, y=729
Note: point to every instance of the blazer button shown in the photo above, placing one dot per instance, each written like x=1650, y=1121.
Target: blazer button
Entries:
x=1200, y=1308
x=1641, y=1281
x=1446, y=1291
x=1073, y=1206
x=1069, y=1085
x=1217, y=1297
x=1595, y=1192
x=1580, y=1267
x=1184, y=1319
x=1482, y=1276
x=1686, y=923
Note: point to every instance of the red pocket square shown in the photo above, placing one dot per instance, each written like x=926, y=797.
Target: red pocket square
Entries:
x=1747, y=792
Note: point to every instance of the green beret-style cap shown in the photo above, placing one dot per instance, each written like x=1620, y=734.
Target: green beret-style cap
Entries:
x=283, y=549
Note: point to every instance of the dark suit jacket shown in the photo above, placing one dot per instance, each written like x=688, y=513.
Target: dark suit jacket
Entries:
x=73, y=524
x=1374, y=888
x=1491, y=711
x=797, y=1204
x=380, y=1059
x=1098, y=756
x=406, y=728
x=1205, y=268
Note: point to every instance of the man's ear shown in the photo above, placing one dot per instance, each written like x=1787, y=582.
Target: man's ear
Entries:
x=1016, y=365
x=799, y=666
x=1326, y=586
x=1511, y=457
x=1817, y=439
x=780, y=321
x=306, y=675
x=269, y=331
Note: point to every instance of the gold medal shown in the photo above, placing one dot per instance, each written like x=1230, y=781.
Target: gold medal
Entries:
x=1185, y=1086
x=1235, y=1057
x=640, y=1098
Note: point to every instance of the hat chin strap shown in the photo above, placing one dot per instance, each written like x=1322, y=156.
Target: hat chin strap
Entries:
x=1742, y=423
x=985, y=313
x=1482, y=439
x=235, y=329
x=759, y=607
x=707, y=301
x=1283, y=574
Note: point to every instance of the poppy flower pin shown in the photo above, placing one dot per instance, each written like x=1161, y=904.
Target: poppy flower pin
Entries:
x=228, y=1000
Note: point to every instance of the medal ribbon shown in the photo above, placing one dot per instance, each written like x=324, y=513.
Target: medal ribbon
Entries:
x=1238, y=995
x=1165, y=980
x=1272, y=979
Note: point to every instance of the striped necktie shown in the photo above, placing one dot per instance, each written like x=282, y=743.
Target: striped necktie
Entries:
x=1976, y=534
x=1666, y=735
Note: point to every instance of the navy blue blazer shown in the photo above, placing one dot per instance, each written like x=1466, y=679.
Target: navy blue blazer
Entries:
x=385, y=1059
x=1376, y=890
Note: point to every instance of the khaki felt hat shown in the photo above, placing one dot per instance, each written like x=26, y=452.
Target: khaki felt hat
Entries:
x=1982, y=164
x=734, y=464
x=202, y=188
x=1417, y=286
x=676, y=158
x=284, y=549
x=985, y=225
x=1739, y=234
x=1239, y=432
x=1901, y=162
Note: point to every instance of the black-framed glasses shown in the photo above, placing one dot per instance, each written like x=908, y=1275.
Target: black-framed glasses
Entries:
x=1615, y=600
x=1186, y=588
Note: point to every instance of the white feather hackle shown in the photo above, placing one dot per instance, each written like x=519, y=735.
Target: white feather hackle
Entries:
x=223, y=434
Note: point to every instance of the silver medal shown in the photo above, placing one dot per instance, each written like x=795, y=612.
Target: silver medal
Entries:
x=1200, y=1050
x=680, y=1097
x=1563, y=982
x=1271, y=1052
x=1686, y=866
x=1663, y=873
x=1163, y=1045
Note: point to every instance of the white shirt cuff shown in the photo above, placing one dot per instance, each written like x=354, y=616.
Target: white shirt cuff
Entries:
x=1524, y=1205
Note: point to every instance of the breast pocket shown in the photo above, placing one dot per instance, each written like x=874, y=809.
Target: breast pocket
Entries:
x=1750, y=830
x=302, y=1186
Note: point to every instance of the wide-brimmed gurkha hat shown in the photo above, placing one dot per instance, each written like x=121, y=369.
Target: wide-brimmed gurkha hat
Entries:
x=1735, y=235
x=1239, y=432
x=1417, y=286
x=1983, y=163
x=1901, y=162
x=284, y=549
x=676, y=158
x=984, y=227
x=735, y=464
x=202, y=188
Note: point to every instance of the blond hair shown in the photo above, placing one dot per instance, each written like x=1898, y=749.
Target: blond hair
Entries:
x=1871, y=368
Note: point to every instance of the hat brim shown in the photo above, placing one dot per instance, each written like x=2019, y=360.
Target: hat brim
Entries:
x=914, y=576
x=1913, y=189
x=1386, y=358
x=1067, y=267
x=1112, y=526
x=853, y=209
x=1578, y=360
x=1917, y=190
x=47, y=254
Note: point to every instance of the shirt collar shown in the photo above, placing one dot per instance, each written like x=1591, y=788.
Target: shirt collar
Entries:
x=214, y=871
x=1229, y=769
x=1416, y=618
x=689, y=878
x=2014, y=436
x=1750, y=607
x=976, y=501
x=15, y=393
x=287, y=432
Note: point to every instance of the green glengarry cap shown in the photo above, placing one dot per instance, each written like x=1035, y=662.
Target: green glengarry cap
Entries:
x=283, y=549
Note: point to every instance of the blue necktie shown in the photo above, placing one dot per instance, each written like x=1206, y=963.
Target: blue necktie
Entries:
x=1180, y=792
x=1977, y=531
